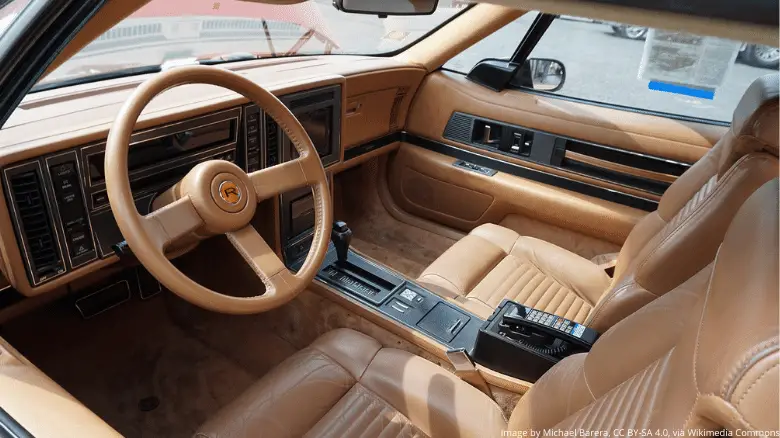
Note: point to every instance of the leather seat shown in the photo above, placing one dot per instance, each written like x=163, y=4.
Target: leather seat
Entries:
x=704, y=356
x=666, y=247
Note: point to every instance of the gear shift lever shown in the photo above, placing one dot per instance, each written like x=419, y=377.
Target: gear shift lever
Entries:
x=341, y=236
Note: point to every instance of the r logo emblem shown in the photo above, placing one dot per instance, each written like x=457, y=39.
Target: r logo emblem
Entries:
x=229, y=192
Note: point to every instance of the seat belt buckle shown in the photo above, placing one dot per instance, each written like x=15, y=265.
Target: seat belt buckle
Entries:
x=466, y=371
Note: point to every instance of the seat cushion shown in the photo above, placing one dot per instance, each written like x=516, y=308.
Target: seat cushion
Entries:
x=493, y=263
x=345, y=384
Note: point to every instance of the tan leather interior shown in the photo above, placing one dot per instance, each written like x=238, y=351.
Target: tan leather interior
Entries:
x=671, y=355
x=362, y=388
x=345, y=384
x=426, y=184
x=58, y=119
x=700, y=368
x=653, y=135
x=198, y=208
x=665, y=248
x=41, y=405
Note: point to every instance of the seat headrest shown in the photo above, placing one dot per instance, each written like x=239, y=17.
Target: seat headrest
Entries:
x=754, y=127
x=757, y=115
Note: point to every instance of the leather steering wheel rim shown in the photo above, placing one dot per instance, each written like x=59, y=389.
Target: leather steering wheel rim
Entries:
x=204, y=199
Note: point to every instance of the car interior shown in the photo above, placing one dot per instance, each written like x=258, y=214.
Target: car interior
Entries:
x=507, y=218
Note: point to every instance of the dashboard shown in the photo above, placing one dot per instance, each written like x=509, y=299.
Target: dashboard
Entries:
x=54, y=189
x=59, y=205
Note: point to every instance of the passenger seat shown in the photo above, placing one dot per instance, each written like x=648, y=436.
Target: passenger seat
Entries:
x=666, y=247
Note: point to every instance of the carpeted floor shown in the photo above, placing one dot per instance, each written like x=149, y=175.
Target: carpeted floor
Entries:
x=119, y=358
x=376, y=234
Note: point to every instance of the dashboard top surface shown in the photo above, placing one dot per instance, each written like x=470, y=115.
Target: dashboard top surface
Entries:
x=75, y=115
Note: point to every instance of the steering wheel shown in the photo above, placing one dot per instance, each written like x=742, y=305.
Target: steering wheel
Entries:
x=218, y=197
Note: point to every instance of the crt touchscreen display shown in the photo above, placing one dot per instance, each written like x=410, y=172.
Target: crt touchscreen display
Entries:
x=317, y=124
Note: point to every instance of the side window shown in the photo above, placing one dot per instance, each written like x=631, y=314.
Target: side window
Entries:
x=604, y=65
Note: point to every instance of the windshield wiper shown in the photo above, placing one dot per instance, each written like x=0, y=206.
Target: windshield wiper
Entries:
x=229, y=57
x=142, y=70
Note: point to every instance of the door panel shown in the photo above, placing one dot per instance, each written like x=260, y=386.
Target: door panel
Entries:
x=427, y=184
x=591, y=172
x=443, y=93
x=637, y=154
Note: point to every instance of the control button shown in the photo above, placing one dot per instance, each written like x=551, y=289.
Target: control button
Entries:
x=251, y=128
x=253, y=160
x=99, y=199
x=254, y=117
x=252, y=141
x=409, y=295
x=79, y=240
x=399, y=306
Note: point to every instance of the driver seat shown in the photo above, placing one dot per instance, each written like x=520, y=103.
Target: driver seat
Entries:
x=704, y=356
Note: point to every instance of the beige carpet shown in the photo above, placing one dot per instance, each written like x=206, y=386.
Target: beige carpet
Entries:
x=376, y=234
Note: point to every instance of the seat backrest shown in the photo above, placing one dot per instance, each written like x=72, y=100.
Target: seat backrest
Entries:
x=677, y=240
x=704, y=356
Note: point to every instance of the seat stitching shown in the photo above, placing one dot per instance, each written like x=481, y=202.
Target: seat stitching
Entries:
x=522, y=284
x=509, y=279
x=752, y=357
x=335, y=362
x=747, y=391
x=720, y=187
x=610, y=295
x=553, y=284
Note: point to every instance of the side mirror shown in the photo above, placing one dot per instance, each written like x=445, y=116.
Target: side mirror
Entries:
x=540, y=74
x=384, y=8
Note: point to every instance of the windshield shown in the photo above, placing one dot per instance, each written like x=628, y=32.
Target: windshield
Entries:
x=181, y=31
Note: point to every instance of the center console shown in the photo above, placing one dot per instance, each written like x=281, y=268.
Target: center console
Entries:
x=524, y=342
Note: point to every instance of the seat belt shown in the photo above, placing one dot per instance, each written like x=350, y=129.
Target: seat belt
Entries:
x=466, y=371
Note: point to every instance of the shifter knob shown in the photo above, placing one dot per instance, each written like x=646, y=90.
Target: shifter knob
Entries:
x=341, y=236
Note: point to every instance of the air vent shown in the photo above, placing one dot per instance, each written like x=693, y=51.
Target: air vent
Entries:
x=34, y=225
x=272, y=141
x=399, y=97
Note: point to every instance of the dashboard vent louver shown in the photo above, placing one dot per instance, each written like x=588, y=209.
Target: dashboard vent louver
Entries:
x=272, y=141
x=35, y=226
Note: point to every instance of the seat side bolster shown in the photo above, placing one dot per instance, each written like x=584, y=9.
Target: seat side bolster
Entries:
x=465, y=263
x=432, y=398
x=352, y=350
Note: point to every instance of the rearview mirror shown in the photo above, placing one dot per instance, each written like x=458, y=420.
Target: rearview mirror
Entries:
x=540, y=74
x=384, y=8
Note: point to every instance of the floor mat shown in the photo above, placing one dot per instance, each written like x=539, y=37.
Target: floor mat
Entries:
x=405, y=248
x=120, y=362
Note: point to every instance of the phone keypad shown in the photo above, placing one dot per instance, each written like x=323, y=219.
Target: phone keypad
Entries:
x=555, y=322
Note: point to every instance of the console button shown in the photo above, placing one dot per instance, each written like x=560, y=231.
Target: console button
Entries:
x=79, y=241
x=99, y=199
